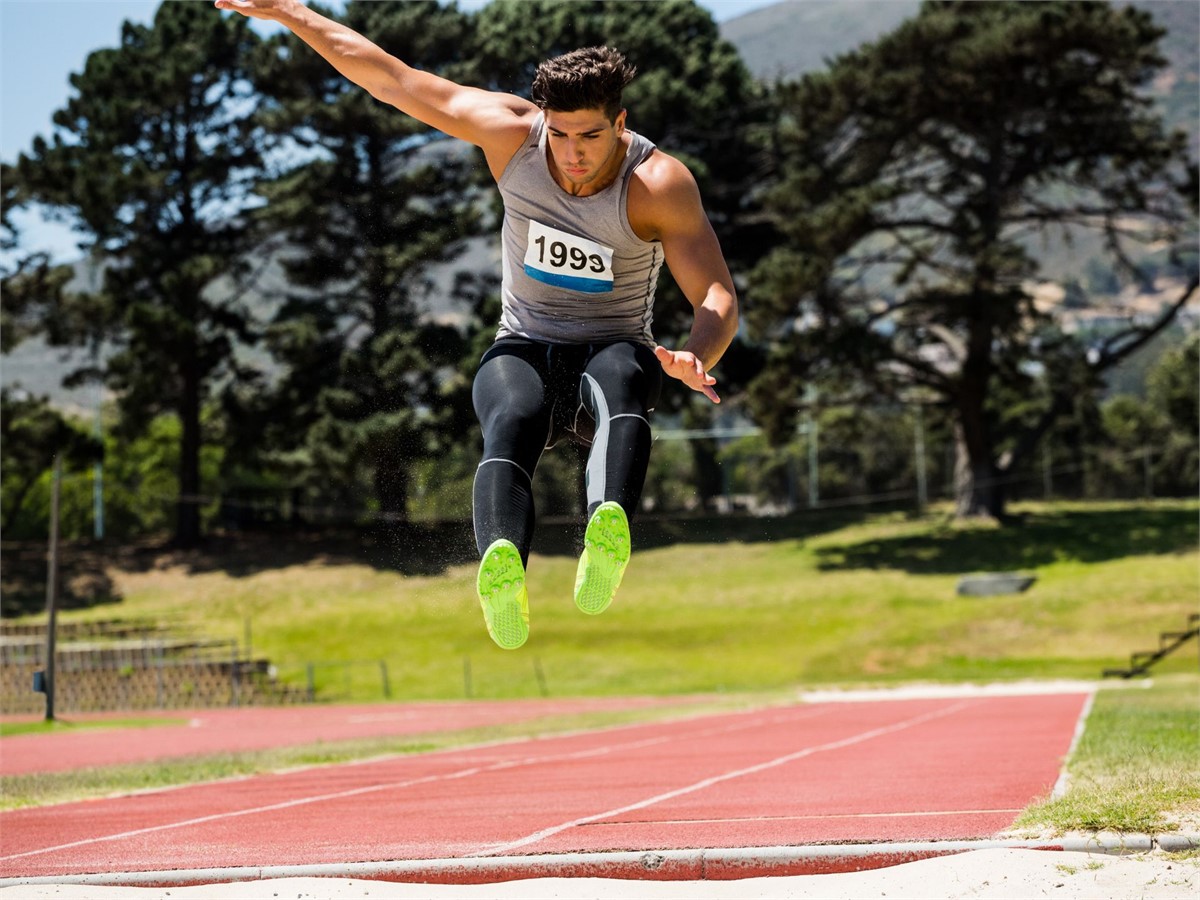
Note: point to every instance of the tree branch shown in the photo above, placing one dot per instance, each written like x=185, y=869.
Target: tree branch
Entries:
x=1111, y=354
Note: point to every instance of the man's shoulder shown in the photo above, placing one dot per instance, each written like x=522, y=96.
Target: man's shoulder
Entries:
x=662, y=194
x=661, y=173
x=504, y=132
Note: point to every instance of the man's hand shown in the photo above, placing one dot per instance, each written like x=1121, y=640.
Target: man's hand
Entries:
x=256, y=9
x=686, y=366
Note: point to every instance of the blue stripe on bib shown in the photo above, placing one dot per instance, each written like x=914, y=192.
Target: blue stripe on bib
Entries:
x=571, y=282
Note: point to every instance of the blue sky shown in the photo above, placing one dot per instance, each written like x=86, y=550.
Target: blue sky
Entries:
x=43, y=41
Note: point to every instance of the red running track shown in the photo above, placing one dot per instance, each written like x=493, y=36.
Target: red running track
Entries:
x=899, y=770
x=210, y=731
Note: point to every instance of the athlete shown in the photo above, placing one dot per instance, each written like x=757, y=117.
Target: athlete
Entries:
x=591, y=212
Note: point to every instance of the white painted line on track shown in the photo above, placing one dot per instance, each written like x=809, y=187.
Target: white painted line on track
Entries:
x=215, y=817
x=500, y=849
x=922, y=813
x=948, y=691
x=1064, y=780
x=797, y=713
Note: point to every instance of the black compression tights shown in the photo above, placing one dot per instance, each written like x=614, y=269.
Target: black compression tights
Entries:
x=528, y=394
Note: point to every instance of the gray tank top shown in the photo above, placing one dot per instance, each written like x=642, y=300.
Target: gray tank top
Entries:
x=574, y=271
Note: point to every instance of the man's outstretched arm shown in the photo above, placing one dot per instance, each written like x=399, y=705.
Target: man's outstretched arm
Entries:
x=494, y=121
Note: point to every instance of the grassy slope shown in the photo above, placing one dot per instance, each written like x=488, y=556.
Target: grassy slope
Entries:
x=773, y=605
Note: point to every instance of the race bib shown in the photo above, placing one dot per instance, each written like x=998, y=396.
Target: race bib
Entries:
x=566, y=261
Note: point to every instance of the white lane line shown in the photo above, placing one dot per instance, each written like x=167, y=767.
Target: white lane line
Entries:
x=921, y=813
x=948, y=691
x=1064, y=777
x=502, y=849
x=200, y=820
x=797, y=714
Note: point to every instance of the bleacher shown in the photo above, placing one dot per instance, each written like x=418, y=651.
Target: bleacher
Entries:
x=132, y=665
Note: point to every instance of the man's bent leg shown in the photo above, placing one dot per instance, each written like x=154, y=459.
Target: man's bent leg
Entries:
x=510, y=400
x=512, y=405
x=619, y=387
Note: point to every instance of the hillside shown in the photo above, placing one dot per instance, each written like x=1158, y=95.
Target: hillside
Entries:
x=814, y=597
x=796, y=36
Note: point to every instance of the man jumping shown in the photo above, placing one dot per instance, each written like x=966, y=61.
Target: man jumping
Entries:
x=591, y=212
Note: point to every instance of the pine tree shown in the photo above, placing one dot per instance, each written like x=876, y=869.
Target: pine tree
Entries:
x=150, y=158
x=32, y=288
x=367, y=200
x=917, y=175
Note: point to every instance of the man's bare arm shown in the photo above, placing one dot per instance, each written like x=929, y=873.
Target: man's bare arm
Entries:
x=668, y=208
x=493, y=121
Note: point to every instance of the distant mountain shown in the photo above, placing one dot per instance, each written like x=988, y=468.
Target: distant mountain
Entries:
x=792, y=37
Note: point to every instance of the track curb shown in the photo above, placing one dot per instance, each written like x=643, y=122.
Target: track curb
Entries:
x=715, y=864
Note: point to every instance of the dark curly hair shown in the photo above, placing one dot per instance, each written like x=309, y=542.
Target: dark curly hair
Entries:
x=588, y=78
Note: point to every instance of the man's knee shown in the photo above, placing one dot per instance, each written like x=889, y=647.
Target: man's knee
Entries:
x=508, y=396
x=510, y=419
x=627, y=375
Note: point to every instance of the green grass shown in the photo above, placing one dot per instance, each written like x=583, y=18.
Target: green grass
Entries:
x=762, y=605
x=1137, y=765
x=60, y=725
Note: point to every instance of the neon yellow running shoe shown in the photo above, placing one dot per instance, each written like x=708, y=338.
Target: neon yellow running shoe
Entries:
x=606, y=550
x=502, y=594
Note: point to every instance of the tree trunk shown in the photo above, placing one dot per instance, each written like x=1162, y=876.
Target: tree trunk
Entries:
x=976, y=487
x=977, y=491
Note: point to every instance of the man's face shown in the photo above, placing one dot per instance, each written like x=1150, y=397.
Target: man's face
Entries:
x=584, y=144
